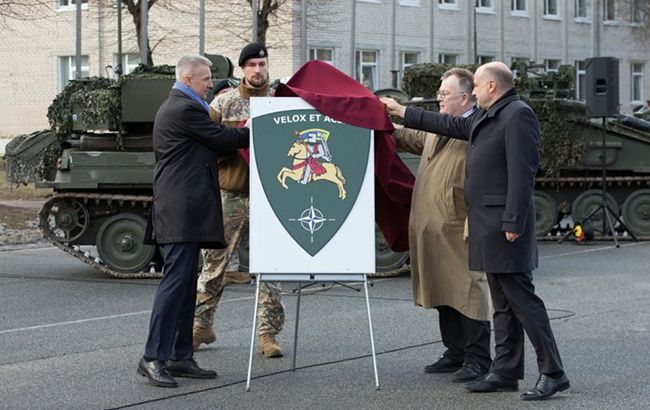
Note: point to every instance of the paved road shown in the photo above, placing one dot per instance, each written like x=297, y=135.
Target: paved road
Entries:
x=70, y=338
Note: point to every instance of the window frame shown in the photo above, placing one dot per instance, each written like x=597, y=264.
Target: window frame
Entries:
x=442, y=57
x=547, y=67
x=585, y=9
x=634, y=76
x=360, y=64
x=549, y=16
x=126, y=64
x=71, y=5
x=448, y=5
x=515, y=11
x=581, y=78
x=314, y=51
x=636, y=13
x=480, y=8
x=71, y=69
x=410, y=3
x=606, y=9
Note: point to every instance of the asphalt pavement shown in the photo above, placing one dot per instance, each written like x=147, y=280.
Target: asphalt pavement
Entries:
x=70, y=338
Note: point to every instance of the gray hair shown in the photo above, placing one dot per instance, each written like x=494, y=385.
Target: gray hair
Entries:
x=188, y=63
x=464, y=76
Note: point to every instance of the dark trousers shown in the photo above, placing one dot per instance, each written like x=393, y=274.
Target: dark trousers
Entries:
x=517, y=309
x=467, y=340
x=170, y=327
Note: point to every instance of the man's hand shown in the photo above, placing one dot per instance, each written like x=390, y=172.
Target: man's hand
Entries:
x=393, y=107
x=511, y=236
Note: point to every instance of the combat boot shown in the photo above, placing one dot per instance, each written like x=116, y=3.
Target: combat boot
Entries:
x=202, y=335
x=269, y=346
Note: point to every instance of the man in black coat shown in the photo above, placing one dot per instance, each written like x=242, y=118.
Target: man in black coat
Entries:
x=186, y=216
x=502, y=159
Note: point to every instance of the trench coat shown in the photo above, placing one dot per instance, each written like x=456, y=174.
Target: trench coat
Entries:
x=502, y=159
x=438, y=251
x=186, y=199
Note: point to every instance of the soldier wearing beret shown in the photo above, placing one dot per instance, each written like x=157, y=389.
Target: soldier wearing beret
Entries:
x=231, y=109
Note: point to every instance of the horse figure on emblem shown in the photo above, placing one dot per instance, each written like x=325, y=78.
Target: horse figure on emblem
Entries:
x=307, y=151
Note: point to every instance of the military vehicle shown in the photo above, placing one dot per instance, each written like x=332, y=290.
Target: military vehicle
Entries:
x=569, y=183
x=98, y=160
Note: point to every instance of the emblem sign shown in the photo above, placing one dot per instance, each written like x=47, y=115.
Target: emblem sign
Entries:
x=311, y=170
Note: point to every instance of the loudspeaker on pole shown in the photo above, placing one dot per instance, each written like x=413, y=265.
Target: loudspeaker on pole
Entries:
x=601, y=83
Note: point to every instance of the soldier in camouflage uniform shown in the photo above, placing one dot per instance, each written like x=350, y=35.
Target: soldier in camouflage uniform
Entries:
x=231, y=109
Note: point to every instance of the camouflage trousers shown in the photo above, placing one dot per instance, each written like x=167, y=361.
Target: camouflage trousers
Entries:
x=270, y=313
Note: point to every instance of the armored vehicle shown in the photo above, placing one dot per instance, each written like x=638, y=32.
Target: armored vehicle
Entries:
x=569, y=184
x=98, y=160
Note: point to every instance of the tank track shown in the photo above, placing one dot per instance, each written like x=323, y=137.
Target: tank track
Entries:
x=75, y=250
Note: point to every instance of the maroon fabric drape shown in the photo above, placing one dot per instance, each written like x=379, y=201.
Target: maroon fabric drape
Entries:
x=342, y=98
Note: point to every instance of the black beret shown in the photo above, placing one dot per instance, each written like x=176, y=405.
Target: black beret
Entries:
x=253, y=50
x=220, y=85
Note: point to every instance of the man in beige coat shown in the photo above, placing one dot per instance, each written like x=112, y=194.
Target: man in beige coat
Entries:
x=437, y=239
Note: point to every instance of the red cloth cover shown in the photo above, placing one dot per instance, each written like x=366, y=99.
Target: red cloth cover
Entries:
x=342, y=98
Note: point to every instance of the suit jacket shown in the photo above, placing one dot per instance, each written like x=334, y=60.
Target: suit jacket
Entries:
x=502, y=159
x=186, y=142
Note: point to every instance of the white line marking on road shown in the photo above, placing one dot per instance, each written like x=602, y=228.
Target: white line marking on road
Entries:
x=591, y=250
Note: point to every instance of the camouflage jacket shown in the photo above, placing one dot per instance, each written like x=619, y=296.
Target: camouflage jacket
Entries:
x=230, y=109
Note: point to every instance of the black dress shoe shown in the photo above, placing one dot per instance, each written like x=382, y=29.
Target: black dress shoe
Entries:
x=492, y=382
x=156, y=373
x=546, y=386
x=443, y=365
x=469, y=372
x=189, y=368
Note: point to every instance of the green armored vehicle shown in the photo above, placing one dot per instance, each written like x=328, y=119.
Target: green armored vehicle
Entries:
x=569, y=182
x=98, y=160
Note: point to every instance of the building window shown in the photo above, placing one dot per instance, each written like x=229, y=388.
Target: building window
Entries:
x=408, y=58
x=636, y=82
x=485, y=6
x=551, y=9
x=609, y=10
x=366, y=68
x=582, y=9
x=71, y=4
x=449, y=59
x=409, y=3
x=552, y=66
x=519, y=7
x=129, y=62
x=322, y=54
x=448, y=4
x=636, y=12
x=485, y=59
x=68, y=69
x=581, y=80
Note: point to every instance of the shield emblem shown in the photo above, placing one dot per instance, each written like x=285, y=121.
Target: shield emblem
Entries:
x=311, y=169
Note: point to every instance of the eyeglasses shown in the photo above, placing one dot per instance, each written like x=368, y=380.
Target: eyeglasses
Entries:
x=442, y=95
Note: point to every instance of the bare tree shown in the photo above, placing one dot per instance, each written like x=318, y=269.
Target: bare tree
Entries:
x=637, y=12
x=24, y=10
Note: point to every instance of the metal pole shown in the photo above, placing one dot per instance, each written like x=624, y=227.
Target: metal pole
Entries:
x=250, y=357
x=393, y=51
x=144, y=52
x=303, y=32
x=475, y=36
x=119, y=69
x=372, y=337
x=202, y=27
x=295, y=334
x=254, y=10
x=353, y=25
x=77, y=74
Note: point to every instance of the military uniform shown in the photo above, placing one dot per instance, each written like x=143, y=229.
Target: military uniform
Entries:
x=231, y=109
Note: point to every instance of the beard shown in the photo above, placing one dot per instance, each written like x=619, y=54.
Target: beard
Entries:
x=257, y=81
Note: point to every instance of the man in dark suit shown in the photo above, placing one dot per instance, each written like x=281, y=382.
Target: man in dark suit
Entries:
x=186, y=216
x=502, y=159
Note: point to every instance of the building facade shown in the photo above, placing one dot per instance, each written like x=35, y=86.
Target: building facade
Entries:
x=371, y=40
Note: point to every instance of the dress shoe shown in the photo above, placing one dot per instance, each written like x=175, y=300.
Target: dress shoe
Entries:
x=546, y=386
x=443, y=365
x=189, y=368
x=469, y=372
x=492, y=382
x=156, y=373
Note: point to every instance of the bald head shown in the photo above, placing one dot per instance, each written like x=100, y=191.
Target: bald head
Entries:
x=491, y=82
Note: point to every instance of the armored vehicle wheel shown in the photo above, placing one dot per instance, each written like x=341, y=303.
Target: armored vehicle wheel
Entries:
x=636, y=212
x=587, y=202
x=64, y=220
x=119, y=243
x=387, y=260
x=545, y=213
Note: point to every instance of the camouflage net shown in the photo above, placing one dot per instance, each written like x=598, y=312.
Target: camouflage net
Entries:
x=31, y=157
x=547, y=93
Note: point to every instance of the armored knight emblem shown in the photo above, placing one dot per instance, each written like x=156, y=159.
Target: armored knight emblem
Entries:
x=312, y=161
